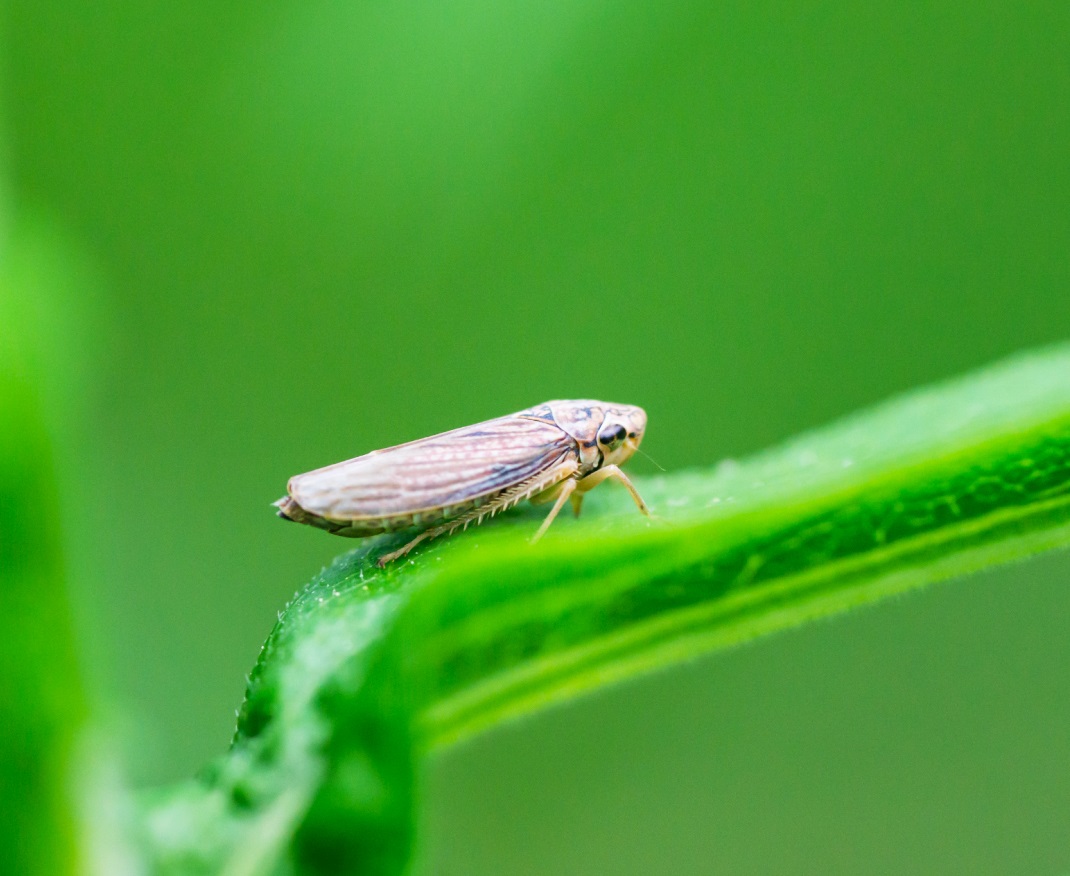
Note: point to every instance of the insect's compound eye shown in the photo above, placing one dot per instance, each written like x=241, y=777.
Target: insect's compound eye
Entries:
x=612, y=436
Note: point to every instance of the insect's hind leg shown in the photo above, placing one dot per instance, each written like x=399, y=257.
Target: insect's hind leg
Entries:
x=404, y=549
x=473, y=515
x=559, y=479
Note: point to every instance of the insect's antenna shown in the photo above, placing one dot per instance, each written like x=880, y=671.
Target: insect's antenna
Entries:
x=651, y=458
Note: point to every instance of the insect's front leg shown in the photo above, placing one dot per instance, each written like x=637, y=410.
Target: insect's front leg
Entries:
x=611, y=472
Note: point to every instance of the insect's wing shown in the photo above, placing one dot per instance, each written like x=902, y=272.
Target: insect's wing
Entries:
x=447, y=470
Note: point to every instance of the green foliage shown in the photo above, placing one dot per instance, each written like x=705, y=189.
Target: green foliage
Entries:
x=368, y=670
x=41, y=701
x=328, y=227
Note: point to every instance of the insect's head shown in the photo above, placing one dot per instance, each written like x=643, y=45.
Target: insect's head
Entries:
x=620, y=433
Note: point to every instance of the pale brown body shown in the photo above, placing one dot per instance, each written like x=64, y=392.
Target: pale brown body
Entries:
x=553, y=452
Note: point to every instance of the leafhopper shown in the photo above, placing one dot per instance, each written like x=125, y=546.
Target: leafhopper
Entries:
x=554, y=452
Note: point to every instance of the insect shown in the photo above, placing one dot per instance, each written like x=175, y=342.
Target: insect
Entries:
x=554, y=452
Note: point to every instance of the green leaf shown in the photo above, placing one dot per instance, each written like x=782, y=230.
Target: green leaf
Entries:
x=42, y=704
x=368, y=670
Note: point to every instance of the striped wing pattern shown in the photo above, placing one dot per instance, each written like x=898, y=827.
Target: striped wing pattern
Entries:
x=453, y=469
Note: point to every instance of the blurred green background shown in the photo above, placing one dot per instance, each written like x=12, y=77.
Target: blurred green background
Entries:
x=287, y=233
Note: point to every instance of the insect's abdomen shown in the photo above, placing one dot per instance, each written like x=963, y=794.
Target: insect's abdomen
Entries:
x=290, y=510
x=433, y=478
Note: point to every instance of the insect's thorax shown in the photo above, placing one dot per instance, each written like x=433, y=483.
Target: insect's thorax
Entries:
x=580, y=421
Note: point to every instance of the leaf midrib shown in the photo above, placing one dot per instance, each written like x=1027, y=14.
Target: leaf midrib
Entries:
x=703, y=627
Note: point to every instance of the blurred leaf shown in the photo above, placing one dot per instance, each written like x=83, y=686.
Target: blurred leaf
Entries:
x=368, y=670
x=41, y=700
x=291, y=198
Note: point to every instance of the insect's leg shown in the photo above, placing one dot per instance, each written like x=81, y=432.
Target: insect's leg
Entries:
x=577, y=502
x=566, y=490
x=505, y=500
x=613, y=472
x=404, y=549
